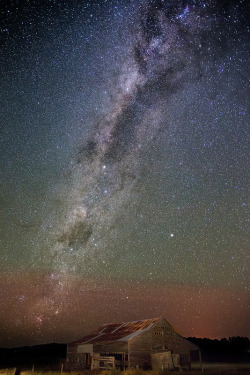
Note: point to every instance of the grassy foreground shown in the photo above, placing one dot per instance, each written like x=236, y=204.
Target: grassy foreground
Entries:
x=208, y=369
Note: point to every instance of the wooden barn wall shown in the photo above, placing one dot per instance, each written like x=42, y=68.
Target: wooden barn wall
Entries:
x=75, y=361
x=164, y=336
x=161, y=337
x=116, y=346
x=72, y=348
x=140, y=349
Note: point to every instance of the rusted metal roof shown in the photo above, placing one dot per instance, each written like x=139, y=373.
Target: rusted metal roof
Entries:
x=118, y=331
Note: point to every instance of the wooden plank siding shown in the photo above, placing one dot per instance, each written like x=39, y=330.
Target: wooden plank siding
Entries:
x=161, y=337
x=116, y=346
x=140, y=349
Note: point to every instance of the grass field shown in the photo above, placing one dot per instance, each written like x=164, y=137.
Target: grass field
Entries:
x=208, y=369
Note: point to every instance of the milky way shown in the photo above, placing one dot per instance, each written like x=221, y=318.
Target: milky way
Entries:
x=125, y=158
x=170, y=45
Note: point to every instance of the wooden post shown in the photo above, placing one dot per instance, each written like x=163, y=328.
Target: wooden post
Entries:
x=128, y=354
x=172, y=359
x=201, y=364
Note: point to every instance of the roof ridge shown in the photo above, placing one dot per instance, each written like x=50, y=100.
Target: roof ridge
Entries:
x=132, y=321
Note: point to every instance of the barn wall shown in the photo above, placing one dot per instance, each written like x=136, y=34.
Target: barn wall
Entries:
x=165, y=337
x=116, y=346
x=160, y=337
x=77, y=358
x=140, y=349
x=162, y=361
x=76, y=361
x=72, y=348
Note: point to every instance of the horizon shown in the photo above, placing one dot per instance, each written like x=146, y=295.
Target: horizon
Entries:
x=66, y=343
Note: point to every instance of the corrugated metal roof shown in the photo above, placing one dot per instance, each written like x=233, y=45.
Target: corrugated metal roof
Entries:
x=118, y=331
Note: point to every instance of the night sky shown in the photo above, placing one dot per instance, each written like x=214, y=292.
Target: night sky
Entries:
x=124, y=158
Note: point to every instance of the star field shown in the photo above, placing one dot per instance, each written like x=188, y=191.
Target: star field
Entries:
x=124, y=167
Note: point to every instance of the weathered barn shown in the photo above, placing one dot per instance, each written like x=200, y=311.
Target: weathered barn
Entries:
x=151, y=343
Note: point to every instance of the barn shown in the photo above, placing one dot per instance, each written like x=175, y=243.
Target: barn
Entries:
x=146, y=344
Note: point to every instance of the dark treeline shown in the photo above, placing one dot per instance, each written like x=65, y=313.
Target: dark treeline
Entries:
x=47, y=356
x=233, y=349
